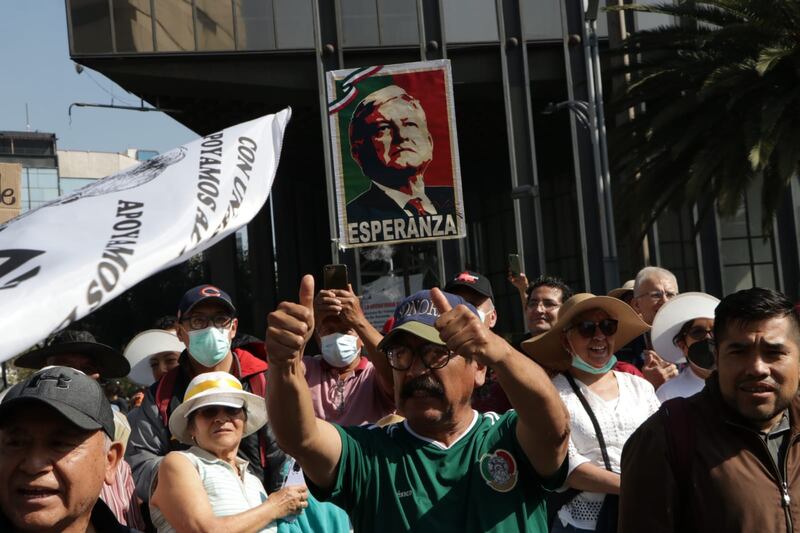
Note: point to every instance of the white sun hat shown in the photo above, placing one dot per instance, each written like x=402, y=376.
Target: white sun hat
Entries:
x=673, y=315
x=145, y=345
x=217, y=388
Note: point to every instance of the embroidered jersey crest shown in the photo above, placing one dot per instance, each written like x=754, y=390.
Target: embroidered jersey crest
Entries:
x=499, y=470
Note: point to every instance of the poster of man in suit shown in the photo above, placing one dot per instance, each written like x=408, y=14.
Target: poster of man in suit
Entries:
x=395, y=150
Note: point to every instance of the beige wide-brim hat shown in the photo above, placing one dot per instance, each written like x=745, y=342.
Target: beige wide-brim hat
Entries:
x=547, y=350
x=217, y=388
x=673, y=315
x=620, y=291
x=145, y=345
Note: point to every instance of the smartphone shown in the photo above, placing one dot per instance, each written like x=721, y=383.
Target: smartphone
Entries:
x=335, y=277
x=514, y=264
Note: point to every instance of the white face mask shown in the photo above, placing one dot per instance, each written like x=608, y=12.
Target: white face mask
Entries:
x=340, y=349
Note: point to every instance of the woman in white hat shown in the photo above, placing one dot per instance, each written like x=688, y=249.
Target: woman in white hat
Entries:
x=580, y=347
x=208, y=487
x=151, y=354
x=682, y=331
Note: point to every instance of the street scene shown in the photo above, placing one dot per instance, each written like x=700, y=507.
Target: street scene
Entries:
x=400, y=266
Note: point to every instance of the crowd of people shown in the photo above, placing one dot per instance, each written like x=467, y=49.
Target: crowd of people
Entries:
x=637, y=411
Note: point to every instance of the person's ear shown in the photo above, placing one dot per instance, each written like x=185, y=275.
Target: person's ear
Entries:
x=113, y=457
x=683, y=347
x=492, y=318
x=234, y=328
x=181, y=332
x=480, y=374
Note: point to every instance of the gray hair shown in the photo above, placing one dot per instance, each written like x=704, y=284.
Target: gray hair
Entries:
x=651, y=272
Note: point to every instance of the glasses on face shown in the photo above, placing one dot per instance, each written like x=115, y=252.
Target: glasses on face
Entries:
x=202, y=321
x=433, y=356
x=547, y=304
x=658, y=295
x=700, y=333
x=586, y=328
x=213, y=411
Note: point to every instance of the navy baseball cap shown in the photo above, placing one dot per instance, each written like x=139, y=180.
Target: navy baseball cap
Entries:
x=75, y=396
x=204, y=293
x=417, y=315
x=474, y=281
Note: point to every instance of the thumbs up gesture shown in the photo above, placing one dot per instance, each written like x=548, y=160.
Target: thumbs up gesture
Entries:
x=290, y=326
x=464, y=333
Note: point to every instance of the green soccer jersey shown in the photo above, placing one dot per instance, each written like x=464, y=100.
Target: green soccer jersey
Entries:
x=390, y=479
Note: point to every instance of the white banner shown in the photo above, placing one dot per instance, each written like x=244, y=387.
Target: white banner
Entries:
x=67, y=258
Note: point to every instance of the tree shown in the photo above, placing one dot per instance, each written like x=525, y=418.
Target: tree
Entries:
x=717, y=106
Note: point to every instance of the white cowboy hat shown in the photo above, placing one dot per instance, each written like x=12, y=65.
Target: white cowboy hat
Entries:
x=217, y=388
x=547, y=350
x=673, y=315
x=143, y=346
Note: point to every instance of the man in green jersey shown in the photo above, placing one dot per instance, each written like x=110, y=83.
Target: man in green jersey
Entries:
x=446, y=467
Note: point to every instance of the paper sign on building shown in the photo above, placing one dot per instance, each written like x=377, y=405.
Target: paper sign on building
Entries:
x=10, y=190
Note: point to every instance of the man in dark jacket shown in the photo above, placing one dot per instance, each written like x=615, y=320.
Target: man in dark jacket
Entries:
x=726, y=459
x=207, y=326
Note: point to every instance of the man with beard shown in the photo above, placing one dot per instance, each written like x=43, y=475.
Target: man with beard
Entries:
x=419, y=473
x=734, y=443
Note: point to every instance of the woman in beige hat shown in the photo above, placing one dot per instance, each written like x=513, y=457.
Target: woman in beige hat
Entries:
x=580, y=348
x=208, y=487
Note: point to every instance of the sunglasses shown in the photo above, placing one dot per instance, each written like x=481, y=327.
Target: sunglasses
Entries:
x=699, y=333
x=586, y=328
x=213, y=410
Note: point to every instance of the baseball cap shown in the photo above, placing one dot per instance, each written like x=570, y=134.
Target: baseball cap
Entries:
x=108, y=361
x=471, y=280
x=75, y=396
x=417, y=315
x=204, y=293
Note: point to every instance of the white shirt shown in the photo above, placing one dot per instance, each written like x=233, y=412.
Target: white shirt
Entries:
x=401, y=198
x=229, y=492
x=686, y=384
x=618, y=419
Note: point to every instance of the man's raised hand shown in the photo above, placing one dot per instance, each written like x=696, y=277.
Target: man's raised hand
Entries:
x=290, y=326
x=464, y=333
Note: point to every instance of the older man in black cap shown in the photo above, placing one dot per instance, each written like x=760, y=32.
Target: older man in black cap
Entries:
x=80, y=350
x=207, y=325
x=56, y=453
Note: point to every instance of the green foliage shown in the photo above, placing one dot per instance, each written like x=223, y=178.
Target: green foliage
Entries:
x=717, y=102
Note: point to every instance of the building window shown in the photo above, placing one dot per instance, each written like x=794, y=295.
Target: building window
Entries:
x=470, y=21
x=133, y=26
x=677, y=247
x=748, y=254
x=91, y=26
x=214, y=25
x=174, y=25
x=39, y=186
x=255, y=25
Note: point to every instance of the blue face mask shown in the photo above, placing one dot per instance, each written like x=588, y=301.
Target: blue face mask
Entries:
x=209, y=346
x=580, y=364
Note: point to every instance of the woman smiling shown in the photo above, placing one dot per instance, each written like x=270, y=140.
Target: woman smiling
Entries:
x=208, y=487
x=605, y=406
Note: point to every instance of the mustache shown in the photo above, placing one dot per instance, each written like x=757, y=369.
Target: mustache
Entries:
x=424, y=383
x=766, y=382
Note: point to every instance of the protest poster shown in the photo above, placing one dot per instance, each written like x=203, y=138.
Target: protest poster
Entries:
x=380, y=297
x=395, y=154
x=65, y=259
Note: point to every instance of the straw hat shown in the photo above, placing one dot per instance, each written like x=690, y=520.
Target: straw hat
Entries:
x=217, y=388
x=673, y=315
x=143, y=346
x=620, y=291
x=546, y=349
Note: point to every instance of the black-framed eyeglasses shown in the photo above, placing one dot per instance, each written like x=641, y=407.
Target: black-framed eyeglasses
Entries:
x=700, y=333
x=586, y=328
x=433, y=356
x=202, y=321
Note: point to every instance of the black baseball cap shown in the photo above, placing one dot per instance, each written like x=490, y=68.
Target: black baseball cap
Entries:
x=204, y=293
x=75, y=396
x=108, y=361
x=471, y=280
